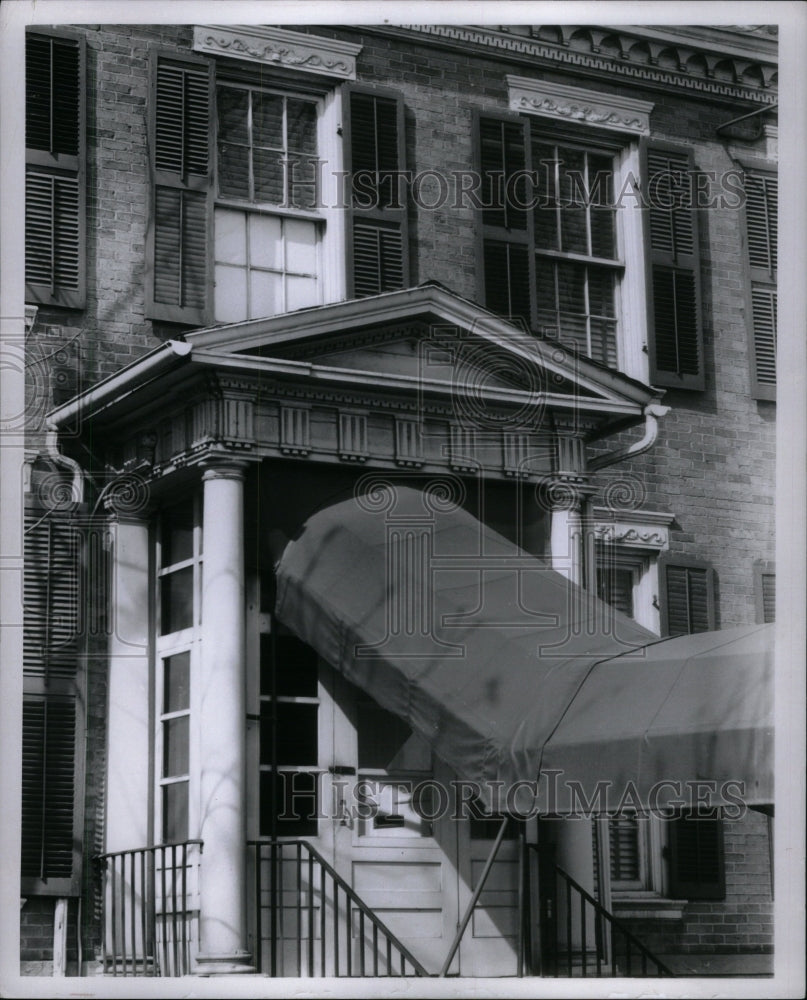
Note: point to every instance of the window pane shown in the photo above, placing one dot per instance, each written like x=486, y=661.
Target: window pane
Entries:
x=269, y=176
x=385, y=741
x=603, y=341
x=267, y=120
x=233, y=171
x=265, y=294
x=176, y=605
x=175, y=747
x=603, y=233
x=302, y=182
x=175, y=811
x=600, y=292
x=571, y=288
x=296, y=729
x=573, y=198
x=231, y=237
x=301, y=292
x=232, y=107
x=265, y=246
x=302, y=126
x=297, y=667
x=231, y=294
x=176, y=536
x=301, y=247
x=290, y=800
x=177, y=682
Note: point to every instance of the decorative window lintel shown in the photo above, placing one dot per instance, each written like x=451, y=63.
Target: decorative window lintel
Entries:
x=575, y=104
x=282, y=49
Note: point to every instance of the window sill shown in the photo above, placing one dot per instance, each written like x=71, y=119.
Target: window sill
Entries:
x=646, y=905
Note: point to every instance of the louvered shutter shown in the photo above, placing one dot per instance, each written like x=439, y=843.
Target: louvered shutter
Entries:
x=675, y=340
x=178, y=263
x=53, y=713
x=688, y=600
x=506, y=267
x=54, y=179
x=761, y=223
x=765, y=592
x=696, y=858
x=377, y=230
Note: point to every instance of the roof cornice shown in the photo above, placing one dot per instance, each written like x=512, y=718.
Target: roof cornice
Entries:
x=705, y=62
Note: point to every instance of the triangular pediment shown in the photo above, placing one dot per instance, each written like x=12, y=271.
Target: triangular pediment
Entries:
x=430, y=337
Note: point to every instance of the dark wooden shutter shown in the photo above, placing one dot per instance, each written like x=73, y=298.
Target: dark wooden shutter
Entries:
x=55, y=162
x=53, y=704
x=765, y=592
x=675, y=340
x=696, y=858
x=688, y=598
x=178, y=279
x=761, y=226
x=505, y=264
x=377, y=230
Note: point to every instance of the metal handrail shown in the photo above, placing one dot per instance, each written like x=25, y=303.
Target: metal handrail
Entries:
x=352, y=898
x=613, y=923
x=141, y=940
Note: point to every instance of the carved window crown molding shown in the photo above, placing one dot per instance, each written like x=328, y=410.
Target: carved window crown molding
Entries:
x=576, y=104
x=276, y=47
x=635, y=529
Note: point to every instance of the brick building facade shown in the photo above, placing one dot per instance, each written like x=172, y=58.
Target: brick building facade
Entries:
x=678, y=536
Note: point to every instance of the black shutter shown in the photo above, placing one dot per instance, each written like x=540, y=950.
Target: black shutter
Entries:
x=178, y=281
x=377, y=231
x=696, y=858
x=761, y=227
x=54, y=181
x=505, y=264
x=765, y=592
x=53, y=713
x=675, y=340
x=624, y=835
x=688, y=598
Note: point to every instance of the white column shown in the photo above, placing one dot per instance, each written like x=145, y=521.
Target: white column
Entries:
x=566, y=542
x=222, y=725
x=129, y=747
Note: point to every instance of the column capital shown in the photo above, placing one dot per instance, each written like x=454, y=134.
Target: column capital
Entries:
x=223, y=468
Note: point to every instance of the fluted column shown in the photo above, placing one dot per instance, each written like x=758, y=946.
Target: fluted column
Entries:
x=223, y=725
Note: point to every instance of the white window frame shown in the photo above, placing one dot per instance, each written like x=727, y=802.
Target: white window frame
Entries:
x=563, y=107
x=170, y=644
x=636, y=540
x=331, y=281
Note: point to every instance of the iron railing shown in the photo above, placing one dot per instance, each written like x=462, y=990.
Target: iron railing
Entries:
x=310, y=922
x=151, y=909
x=579, y=937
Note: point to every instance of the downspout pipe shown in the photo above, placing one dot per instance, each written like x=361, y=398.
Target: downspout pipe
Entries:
x=52, y=447
x=652, y=413
x=111, y=389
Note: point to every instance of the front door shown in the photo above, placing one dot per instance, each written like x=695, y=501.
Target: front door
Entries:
x=333, y=768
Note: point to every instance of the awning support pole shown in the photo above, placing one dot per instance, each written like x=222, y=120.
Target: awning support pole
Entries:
x=523, y=902
x=477, y=893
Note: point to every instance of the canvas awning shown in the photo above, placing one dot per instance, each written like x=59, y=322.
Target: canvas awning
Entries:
x=503, y=665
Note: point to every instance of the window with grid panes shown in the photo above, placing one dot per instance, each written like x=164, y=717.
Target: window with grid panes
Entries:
x=267, y=234
x=258, y=206
x=179, y=581
x=620, y=287
x=576, y=260
x=761, y=207
x=289, y=736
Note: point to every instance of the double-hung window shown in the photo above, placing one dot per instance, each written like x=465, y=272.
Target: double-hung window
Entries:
x=54, y=173
x=256, y=205
x=588, y=231
x=268, y=231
